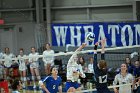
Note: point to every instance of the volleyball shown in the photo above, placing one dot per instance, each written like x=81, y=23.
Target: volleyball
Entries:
x=90, y=36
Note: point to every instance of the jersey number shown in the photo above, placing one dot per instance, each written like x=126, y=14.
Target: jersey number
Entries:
x=54, y=86
x=103, y=79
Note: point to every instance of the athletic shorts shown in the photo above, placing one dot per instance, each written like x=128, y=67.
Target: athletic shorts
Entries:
x=72, y=84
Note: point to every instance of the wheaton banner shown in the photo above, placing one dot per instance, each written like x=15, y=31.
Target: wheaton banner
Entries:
x=117, y=34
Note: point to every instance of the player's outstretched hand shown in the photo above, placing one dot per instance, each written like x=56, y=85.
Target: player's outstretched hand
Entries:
x=103, y=42
x=84, y=44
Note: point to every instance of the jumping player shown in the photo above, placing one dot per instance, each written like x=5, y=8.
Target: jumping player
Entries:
x=53, y=82
x=100, y=70
x=73, y=72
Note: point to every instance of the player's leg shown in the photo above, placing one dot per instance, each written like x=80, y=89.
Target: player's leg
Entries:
x=37, y=74
x=33, y=76
x=70, y=87
x=24, y=78
x=48, y=68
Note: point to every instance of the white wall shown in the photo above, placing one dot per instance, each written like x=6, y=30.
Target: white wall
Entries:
x=25, y=36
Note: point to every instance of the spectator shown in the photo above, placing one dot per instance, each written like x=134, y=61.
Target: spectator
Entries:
x=136, y=69
x=16, y=86
x=1, y=66
x=2, y=90
x=48, y=59
x=136, y=85
x=22, y=66
x=34, y=65
x=8, y=61
x=82, y=65
x=123, y=78
x=90, y=65
x=129, y=65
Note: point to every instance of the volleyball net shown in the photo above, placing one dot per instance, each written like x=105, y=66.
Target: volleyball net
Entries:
x=114, y=56
x=82, y=52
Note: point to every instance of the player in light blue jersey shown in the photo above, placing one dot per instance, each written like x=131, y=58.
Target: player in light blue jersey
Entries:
x=52, y=83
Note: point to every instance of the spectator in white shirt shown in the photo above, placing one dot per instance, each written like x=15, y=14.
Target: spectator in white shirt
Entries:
x=7, y=56
x=48, y=58
x=123, y=78
x=90, y=65
x=34, y=65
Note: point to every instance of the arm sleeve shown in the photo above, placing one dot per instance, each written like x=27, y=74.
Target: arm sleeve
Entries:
x=95, y=66
x=102, y=56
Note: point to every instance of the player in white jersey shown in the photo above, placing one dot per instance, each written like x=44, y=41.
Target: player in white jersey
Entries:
x=123, y=78
x=8, y=61
x=34, y=64
x=1, y=66
x=22, y=66
x=48, y=59
x=73, y=72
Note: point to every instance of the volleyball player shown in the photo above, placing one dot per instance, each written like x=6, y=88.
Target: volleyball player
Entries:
x=1, y=66
x=100, y=70
x=123, y=78
x=52, y=82
x=8, y=61
x=73, y=72
x=48, y=59
x=34, y=65
x=22, y=67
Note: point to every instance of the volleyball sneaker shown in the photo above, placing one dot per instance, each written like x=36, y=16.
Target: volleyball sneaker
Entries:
x=34, y=87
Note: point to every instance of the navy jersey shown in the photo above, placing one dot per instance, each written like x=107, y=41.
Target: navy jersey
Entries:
x=100, y=76
x=136, y=72
x=130, y=68
x=52, y=84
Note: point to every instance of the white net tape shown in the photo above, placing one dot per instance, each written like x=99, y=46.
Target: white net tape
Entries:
x=110, y=87
x=79, y=52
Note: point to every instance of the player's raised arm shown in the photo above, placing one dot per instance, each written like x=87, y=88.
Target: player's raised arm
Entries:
x=103, y=49
x=81, y=47
x=74, y=58
x=95, y=67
